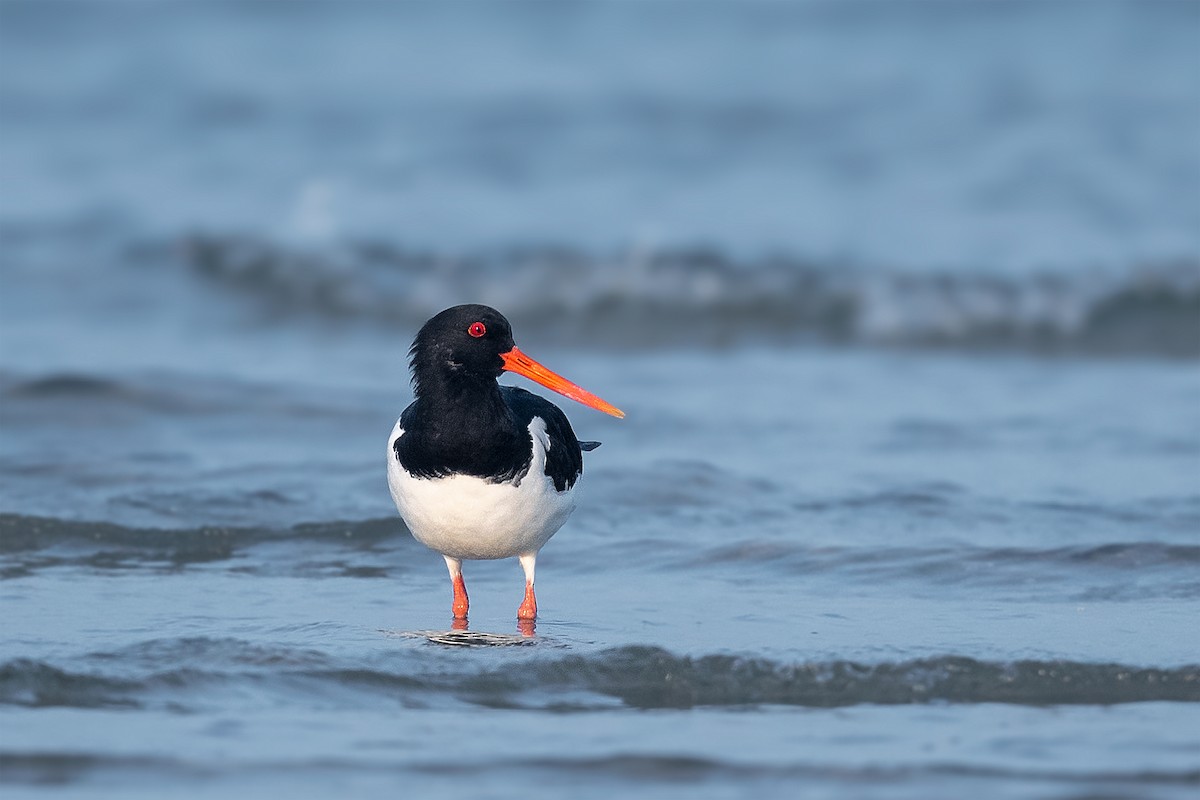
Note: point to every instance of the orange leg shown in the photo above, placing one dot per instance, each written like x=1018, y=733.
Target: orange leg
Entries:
x=461, y=603
x=528, y=609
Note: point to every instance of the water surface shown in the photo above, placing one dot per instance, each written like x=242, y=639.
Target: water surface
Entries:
x=905, y=504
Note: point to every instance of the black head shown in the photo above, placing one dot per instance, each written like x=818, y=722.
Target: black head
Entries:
x=461, y=344
x=459, y=353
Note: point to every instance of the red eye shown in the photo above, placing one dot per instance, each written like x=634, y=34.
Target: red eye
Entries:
x=477, y=329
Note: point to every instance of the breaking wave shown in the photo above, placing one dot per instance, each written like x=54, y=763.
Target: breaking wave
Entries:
x=704, y=296
x=168, y=673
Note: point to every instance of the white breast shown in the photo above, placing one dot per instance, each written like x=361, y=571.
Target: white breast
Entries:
x=462, y=516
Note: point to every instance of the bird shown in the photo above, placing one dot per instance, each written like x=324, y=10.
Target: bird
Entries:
x=479, y=470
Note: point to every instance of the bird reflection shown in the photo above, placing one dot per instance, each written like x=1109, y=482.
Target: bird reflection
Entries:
x=527, y=628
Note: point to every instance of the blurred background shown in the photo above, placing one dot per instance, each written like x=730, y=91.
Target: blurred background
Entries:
x=632, y=174
x=902, y=300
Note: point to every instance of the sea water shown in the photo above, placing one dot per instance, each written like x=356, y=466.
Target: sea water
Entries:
x=902, y=303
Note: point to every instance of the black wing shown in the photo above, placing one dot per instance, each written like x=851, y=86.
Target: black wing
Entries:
x=564, y=462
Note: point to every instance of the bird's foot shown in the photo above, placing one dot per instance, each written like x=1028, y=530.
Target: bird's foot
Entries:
x=528, y=609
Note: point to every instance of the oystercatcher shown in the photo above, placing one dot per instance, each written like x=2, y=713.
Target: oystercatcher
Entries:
x=479, y=470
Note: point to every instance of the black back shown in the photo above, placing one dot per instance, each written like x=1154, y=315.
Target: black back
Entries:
x=488, y=442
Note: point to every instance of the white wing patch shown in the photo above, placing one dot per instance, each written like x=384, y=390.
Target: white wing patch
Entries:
x=537, y=429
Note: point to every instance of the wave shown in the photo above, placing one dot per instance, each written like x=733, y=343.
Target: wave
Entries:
x=649, y=677
x=53, y=768
x=634, y=676
x=961, y=561
x=58, y=769
x=29, y=544
x=705, y=296
x=29, y=534
x=73, y=386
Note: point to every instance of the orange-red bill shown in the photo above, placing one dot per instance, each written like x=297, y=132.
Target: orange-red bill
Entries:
x=518, y=362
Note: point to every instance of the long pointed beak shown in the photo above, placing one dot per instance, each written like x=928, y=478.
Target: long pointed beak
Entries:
x=518, y=362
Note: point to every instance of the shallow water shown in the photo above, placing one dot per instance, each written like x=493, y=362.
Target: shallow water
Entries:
x=856, y=596
x=900, y=509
